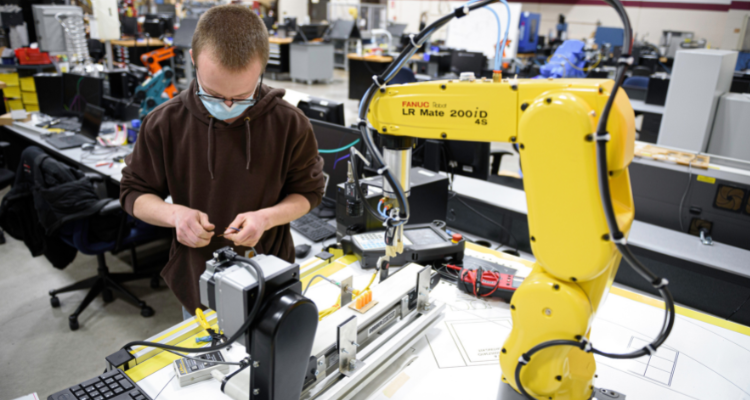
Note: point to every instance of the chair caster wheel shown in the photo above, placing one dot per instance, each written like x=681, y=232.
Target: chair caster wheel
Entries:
x=54, y=301
x=147, y=312
x=155, y=282
x=107, y=295
x=73, y=323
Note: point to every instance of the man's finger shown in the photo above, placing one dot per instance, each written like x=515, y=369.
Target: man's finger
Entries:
x=238, y=221
x=204, y=222
x=201, y=243
x=198, y=230
x=243, y=235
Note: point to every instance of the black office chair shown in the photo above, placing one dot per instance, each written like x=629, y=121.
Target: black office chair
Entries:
x=130, y=233
x=6, y=177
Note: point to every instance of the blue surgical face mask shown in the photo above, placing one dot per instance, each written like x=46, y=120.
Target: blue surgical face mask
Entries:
x=220, y=110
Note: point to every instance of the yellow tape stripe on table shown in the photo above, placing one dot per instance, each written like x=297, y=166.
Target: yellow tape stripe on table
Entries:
x=164, y=358
x=686, y=312
x=326, y=269
x=162, y=339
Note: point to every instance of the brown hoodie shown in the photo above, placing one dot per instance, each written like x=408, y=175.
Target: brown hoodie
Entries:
x=223, y=170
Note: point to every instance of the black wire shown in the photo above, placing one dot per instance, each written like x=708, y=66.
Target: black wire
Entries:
x=457, y=197
x=527, y=356
x=353, y=159
x=245, y=326
x=230, y=376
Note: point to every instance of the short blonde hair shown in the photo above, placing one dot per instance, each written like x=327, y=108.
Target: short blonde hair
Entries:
x=236, y=35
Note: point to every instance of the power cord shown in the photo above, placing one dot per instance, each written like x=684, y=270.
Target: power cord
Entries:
x=227, y=255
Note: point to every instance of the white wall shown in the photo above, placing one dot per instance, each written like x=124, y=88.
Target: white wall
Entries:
x=647, y=22
x=735, y=19
x=293, y=8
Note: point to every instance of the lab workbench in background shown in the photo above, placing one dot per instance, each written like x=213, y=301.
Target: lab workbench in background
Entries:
x=362, y=68
x=278, y=56
x=22, y=135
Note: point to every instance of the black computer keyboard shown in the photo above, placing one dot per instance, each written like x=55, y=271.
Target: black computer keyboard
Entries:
x=68, y=126
x=112, y=385
x=313, y=228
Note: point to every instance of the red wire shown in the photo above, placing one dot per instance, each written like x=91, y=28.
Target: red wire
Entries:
x=470, y=276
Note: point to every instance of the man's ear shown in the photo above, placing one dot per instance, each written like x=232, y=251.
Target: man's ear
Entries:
x=191, y=57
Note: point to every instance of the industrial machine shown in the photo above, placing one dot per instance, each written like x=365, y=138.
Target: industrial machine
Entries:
x=153, y=59
x=576, y=139
x=150, y=92
x=292, y=354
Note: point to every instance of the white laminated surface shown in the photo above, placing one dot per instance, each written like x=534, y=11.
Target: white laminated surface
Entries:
x=459, y=357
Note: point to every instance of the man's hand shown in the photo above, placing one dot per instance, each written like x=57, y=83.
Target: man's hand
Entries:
x=251, y=225
x=193, y=228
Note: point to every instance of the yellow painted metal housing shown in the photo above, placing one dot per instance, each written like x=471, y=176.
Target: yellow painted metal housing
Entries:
x=552, y=121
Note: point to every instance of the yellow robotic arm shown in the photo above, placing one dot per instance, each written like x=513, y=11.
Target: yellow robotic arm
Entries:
x=553, y=122
x=576, y=141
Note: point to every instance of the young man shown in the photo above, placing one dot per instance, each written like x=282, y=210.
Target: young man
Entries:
x=230, y=152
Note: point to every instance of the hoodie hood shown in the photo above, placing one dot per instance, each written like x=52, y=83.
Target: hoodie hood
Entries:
x=268, y=98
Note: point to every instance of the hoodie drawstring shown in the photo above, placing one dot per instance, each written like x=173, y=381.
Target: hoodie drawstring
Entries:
x=210, y=147
x=247, y=150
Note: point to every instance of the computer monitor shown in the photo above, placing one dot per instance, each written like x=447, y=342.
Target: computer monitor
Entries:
x=79, y=90
x=330, y=136
x=396, y=30
x=470, y=159
x=129, y=26
x=269, y=21
x=91, y=121
x=310, y=32
x=290, y=23
x=49, y=90
x=606, y=35
x=465, y=61
x=325, y=110
x=157, y=25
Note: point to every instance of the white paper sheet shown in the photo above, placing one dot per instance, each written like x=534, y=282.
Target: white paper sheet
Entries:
x=698, y=361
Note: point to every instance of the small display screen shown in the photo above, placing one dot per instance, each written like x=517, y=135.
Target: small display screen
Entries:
x=423, y=236
x=374, y=241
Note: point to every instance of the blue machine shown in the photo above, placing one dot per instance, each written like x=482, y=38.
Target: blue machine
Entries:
x=605, y=35
x=528, y=32
x=150, y=92
x=743, y=61
x=567, y=62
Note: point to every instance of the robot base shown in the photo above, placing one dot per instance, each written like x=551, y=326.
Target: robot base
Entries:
x=506, y=392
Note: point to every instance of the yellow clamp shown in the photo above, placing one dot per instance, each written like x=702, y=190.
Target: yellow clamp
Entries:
x=201, y=319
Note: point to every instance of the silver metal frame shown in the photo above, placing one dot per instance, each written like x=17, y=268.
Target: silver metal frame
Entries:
x=377, y=356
